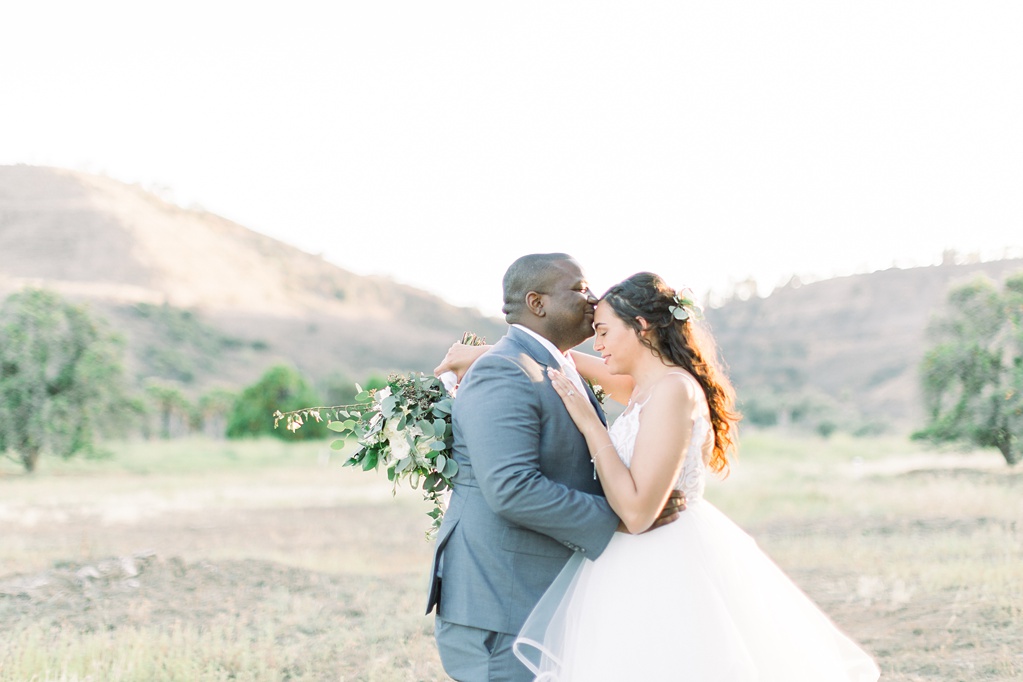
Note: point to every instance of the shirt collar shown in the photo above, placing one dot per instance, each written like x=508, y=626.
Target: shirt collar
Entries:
x=551, y=348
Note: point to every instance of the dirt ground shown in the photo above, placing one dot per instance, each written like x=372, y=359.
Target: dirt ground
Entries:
x=340, y=583
x=320, y=591
x=180, y=569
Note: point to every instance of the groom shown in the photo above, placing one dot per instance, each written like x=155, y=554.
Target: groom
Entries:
x=525, y=495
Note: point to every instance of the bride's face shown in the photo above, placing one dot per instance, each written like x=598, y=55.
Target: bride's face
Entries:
x=617, y=342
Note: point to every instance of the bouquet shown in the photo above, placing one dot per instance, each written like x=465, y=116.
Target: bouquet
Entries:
x=404, y=426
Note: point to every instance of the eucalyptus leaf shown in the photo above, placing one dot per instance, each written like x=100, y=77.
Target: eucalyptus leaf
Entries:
x=440, y=462
x=434, y=483
x=338, y=426
x=438, y=445
x=338, y=444
x=450, y=468
x=371, y=461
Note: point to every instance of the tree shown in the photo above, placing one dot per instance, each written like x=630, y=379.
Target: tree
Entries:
x=337, y=388
x=280, y=388
x=213, y=410
x=973, y=375
x=61, y=377
x=173, y=409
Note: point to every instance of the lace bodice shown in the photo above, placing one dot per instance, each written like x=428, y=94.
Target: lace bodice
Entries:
x=693, y=478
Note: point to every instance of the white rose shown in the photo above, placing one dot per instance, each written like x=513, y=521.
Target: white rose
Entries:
x=399, y=445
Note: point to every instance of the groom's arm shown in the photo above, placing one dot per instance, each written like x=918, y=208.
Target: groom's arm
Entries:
x=500, y=426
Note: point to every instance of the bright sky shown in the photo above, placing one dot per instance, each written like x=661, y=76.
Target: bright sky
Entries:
x=435, y=142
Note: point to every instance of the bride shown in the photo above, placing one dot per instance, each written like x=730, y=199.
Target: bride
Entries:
x=695, y=599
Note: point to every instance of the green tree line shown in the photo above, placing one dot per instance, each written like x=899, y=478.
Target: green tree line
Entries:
x=63, y=386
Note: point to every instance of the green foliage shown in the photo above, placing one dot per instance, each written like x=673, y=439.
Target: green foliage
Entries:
x=375, y=382
x=183, y=347
x=337, y=389
x=172, y=408
x=807, y=409
x=61, y=377
x=281, y=387
x=760, y=408
x=973, y=375
x=405, y=426
x=213, y=410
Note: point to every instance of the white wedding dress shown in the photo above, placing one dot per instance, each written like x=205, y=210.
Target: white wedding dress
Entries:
x=694, y=600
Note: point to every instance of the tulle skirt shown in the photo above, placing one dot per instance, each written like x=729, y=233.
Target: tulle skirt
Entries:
x=695, y=600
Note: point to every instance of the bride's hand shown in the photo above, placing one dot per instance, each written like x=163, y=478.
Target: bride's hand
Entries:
x=577, y=404
x=459, y=358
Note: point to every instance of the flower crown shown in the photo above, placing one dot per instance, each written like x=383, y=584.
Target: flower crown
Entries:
x=685, y=307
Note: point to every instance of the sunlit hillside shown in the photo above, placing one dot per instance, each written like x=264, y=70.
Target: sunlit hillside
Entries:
x=202, y=300
x=190, y=288
x=844, y=350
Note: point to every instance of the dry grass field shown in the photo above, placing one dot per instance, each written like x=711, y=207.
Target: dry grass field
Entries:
x=202, y=560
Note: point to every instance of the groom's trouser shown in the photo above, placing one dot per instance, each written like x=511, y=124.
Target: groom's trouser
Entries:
x=473, y=655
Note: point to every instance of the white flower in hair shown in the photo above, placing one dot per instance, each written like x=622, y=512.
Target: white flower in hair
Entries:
x=685, y=306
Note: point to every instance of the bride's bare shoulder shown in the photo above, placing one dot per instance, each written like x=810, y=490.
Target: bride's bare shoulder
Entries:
x=675, y=390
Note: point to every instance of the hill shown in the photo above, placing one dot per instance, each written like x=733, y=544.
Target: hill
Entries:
x=842, y=350
x=204, y=300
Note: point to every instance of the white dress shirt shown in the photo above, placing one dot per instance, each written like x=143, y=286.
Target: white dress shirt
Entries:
x=565, y=361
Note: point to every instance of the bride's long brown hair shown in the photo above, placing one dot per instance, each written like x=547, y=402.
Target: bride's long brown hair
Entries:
x=682, y=343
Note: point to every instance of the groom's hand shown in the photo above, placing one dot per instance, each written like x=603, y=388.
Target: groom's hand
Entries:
x=676, y=503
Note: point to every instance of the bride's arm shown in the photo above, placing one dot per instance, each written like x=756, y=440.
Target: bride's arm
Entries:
x=638, y=494
x=459, y=358
x=617, y=386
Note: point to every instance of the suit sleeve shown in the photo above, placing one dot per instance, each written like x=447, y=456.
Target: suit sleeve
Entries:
x=502, y=430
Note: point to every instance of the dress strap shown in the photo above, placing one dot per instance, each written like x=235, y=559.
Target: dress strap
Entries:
x=687, y=375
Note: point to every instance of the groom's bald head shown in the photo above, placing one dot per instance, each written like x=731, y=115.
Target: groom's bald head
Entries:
x=533, y=272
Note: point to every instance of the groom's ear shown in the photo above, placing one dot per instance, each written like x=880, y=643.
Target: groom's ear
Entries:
x=534, y=302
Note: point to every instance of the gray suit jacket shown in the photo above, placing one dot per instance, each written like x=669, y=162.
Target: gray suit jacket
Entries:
x=524, y=496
